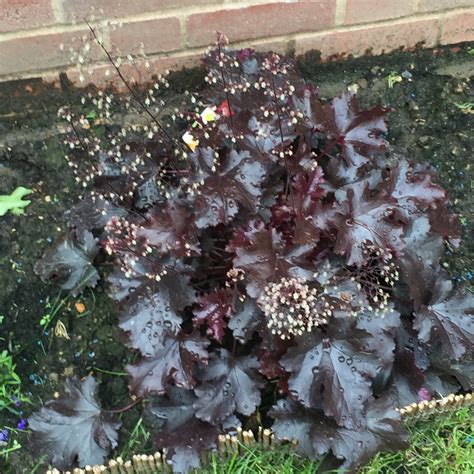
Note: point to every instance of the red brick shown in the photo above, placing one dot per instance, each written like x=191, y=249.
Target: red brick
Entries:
x=280, y=47
x=24, y=14
x=436, y=5
x=41, y=52
x=366, y=11
x=104, y=75
x=261, y=21
x=376, y=40
x=156, y=36
x=76, y=10
x=458, y=27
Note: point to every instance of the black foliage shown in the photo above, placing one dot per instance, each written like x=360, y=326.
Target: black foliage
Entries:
x=275, y=252
x=71, y=262
x=74, y=428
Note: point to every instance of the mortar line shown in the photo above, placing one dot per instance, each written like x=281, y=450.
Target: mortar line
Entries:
x=340, y=14
x=58, y=10
x=183, y=33
x=416, y=5
x=442, y=20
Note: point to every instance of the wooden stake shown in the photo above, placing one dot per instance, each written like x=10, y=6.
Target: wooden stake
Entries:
x=235, y=444
x=128, y=467
x=166, y=465
x=228, y=443
x=221, y=445
x=266, y=437
x=113, y=467
x=144, y=464
x=158, y=459
x=240, y=436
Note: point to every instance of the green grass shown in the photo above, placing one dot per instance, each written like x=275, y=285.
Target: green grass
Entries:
x=441, y=445
x=466, y=107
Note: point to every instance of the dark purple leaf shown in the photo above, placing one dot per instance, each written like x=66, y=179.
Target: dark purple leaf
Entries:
x=229, y=384
x=246, y=321
x=368, y=219
x=148, y=320
x=74, y=427
x=262, y=255
x=93, y=213
x=446, y=224
x=173, y=409
x=448, y=319
x=308, y=190
x=407, y=373
x=185, y=444
x=71, y=262
x=357, y=131
x=170, y=230
x=180, y=433
x=173, y=363
x=149, y=192
x=462, y=370
x=231, y=181
x=381, y=333
x=214, y=309
x=175, y=283
x=316, y=434
x=420, y=261
x=334, y=373
x=413, y=188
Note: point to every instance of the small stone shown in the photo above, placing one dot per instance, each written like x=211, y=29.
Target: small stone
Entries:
x=354, y=88
x=53, y=377
x=68, y=371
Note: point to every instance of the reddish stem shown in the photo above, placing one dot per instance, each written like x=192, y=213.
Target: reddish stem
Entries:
x=125, y=408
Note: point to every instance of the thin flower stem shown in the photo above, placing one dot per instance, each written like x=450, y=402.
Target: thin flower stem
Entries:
x=132, y=92
x=288, y=174
x=125, y=408
x=225, y=88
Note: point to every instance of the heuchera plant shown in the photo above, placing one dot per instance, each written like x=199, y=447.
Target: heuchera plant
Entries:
x=270, y=257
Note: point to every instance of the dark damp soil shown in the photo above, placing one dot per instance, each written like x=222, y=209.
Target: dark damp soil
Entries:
x=431, y=121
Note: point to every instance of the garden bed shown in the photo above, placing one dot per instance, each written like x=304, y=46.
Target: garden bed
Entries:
x=432, y=121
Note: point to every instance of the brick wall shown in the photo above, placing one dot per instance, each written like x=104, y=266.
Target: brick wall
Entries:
x=35, y=35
